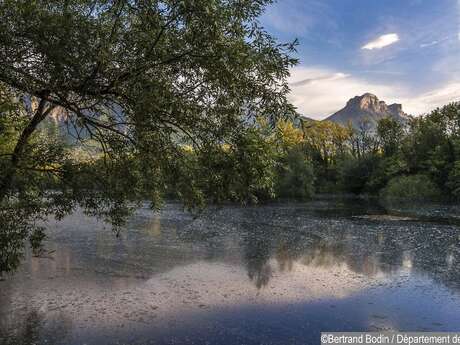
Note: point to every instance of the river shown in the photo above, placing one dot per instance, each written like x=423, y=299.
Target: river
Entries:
x=272, y=274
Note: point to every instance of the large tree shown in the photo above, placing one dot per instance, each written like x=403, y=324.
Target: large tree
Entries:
x=139, y=80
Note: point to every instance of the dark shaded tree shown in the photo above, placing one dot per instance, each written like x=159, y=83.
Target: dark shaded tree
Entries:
x=138, y=80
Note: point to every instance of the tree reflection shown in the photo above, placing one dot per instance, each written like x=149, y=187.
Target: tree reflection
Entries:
x=33, y=328
x=366, y=247
x=257, y=252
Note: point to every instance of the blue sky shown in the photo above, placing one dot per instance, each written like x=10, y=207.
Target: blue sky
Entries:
x=405, y=51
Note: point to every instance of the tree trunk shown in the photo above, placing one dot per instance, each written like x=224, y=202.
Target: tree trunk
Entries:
x=40, y=114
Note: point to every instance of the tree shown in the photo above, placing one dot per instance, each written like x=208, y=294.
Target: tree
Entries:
x=327, y=139
x=325, y=143
x=355, y=172
x=414, y=187
x=390, y=133
x=287, y=136
x=140, y=78
x=363, y=141
x=242, y=171
x=295, y=176
x=431, y=146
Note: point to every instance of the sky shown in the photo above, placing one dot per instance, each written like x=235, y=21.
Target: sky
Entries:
x=403, y=51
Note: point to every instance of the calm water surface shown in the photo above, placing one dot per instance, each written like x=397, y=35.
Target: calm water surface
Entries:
x=277, y=274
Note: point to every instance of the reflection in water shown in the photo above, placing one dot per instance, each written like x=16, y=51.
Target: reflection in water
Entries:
x=34, y=328
x=257, y=252
x=234, y=271
x=368, y=247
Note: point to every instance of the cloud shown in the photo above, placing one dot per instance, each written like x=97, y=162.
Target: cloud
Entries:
x=425, y=45
x=335, y=76
x=319, y=92
x=382, y=41
x=427, y=101
x=435, y=42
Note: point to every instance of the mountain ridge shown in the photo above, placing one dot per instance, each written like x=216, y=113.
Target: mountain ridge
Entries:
x=367, y=109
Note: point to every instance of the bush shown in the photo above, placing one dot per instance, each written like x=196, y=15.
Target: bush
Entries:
x=388, y=168
x=296, y=178
x=414, y=187
x=354, y=173
x=453, y=182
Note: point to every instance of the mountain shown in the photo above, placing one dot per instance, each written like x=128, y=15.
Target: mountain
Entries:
x=367, y=109
x=306, y=118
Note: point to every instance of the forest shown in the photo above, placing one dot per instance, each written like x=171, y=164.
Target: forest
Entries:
x=289, y=159
x=296, y=159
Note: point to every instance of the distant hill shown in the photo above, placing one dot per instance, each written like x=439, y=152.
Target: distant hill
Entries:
x=367, y=109
x=306, y=118
x=303, y=120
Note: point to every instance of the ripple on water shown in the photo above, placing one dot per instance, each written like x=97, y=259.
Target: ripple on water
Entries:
x=249, y=274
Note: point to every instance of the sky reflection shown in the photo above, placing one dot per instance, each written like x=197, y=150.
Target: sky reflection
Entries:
x=233, y=271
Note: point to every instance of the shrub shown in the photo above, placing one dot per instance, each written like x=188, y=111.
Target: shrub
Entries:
x=296, y=178
x=354, y=173
x=413, y=187
x=453, y=182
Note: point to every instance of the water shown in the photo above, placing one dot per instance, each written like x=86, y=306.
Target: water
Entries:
x=277, y=274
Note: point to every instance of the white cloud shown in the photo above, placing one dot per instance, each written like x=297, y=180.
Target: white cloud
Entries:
x=425, y=45
x=427, y=101
x=319, y=92
x=382, y=41
x=326, y=77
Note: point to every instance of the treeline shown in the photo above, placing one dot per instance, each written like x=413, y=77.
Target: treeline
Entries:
x=417, y=160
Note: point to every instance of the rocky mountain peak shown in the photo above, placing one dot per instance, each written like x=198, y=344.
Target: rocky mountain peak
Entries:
x=396, y=108
x=367, y=107
x=367, y=102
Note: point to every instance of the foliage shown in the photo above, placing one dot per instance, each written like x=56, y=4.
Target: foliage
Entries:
x=243, y=171
x=390, y=132
x=414, y=187
x=362, y=161
x=454, y=179
x=386, y=168
x=355, y=172
x=185, y=99
x=295, y=177
x=325, y=143
x=287, y=136
x=294, y=172
x=363, y=141
x=137, y=82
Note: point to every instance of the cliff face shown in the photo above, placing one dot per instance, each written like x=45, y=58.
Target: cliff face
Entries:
x=367, y=108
